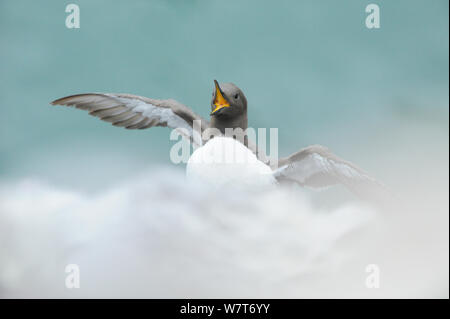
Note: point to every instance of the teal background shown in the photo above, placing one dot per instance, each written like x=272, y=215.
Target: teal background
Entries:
x=310, y=68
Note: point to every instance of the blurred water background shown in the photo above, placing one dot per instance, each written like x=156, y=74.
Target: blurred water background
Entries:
x=309, y=68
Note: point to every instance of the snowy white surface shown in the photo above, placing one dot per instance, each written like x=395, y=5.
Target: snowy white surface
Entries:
x=158, y=235
x=225, y=161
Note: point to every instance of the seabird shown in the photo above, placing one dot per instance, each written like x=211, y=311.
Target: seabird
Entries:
x=314, y=166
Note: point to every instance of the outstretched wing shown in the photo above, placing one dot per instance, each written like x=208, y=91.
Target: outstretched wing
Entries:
x=316, y=167
x=136, y=112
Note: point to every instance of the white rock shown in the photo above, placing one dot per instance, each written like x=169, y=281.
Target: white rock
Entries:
x=226, y=161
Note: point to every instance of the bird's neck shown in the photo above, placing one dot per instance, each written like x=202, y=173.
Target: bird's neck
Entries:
x=231, y=127
x=222, y=123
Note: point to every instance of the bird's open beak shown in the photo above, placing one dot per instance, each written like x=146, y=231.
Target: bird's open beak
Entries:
x=220, y=101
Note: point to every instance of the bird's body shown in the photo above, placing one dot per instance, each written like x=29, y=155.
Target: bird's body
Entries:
x=314, y=166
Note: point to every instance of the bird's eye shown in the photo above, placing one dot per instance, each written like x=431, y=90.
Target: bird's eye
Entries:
x=236, y=96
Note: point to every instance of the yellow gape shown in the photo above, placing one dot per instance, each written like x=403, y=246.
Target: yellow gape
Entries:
x=219, y=101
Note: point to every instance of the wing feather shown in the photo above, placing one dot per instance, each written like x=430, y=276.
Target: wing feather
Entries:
x=136, y=112
x=316, y=167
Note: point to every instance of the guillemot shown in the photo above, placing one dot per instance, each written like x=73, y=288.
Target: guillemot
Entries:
x=314, y=166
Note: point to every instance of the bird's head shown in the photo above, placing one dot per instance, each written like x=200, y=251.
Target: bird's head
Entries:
x=228, y=101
